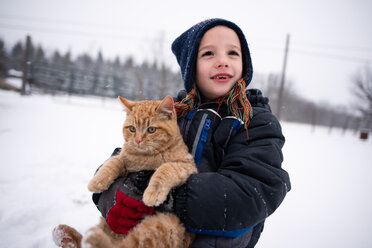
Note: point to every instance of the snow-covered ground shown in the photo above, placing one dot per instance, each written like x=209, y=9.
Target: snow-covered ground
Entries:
x=51, y=146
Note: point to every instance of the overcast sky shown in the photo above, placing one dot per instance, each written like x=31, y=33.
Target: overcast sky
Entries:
x=330, y=40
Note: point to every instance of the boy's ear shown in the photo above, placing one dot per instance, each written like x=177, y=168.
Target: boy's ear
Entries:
x=166, y=106
x=128, y=105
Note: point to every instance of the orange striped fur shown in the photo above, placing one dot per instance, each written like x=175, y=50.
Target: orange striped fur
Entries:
x=152, y=142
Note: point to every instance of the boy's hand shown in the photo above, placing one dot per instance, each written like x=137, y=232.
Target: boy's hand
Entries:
x=121, y=204
x=126, y=213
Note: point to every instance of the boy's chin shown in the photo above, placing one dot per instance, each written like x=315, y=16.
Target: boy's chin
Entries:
x=213, y=97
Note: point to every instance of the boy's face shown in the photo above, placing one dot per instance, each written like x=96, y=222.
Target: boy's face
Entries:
x=219, y=62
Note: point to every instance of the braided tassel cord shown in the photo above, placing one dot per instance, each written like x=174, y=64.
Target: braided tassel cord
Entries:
x=185, y=105
x=238, y=103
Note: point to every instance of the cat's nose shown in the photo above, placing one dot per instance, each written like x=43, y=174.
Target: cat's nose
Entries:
x=138, y=140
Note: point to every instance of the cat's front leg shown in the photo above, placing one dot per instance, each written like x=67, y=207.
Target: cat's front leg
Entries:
x=109, y=171
x=155, y=194
x=167, y=176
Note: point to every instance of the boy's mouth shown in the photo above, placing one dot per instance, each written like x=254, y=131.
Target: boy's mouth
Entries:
x=221, y=76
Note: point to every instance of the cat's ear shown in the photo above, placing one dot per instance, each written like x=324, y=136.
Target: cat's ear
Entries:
x=166, y=106
x=127, y=104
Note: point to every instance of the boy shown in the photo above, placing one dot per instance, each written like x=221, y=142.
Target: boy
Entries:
x=235, y=140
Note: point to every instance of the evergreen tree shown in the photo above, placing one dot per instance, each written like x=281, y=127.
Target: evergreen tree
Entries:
x=40, y=54
x=129, y=63
x=17, y=54
x=117, y=64
x=97, y=86
x=67, y=59
x=57, y=58
x=84, y=61
x=99, y=60
x=118, y=77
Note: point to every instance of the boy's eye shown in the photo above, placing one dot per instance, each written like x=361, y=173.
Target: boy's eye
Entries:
x=207, y=53
x=233, y=53
x=151, y=129
x=132, y=129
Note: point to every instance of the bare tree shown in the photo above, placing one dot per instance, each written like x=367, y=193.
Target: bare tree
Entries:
x=362, y=89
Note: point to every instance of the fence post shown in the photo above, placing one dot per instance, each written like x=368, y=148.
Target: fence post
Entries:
x=331, y=124
x=357, y=126
x=313, y=118
x=346, y=124
x=26, y=65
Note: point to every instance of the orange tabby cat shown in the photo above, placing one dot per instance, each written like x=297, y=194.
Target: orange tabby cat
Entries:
x=152, y=142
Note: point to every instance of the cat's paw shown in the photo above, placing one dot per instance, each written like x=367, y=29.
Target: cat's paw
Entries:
x=66, y=237
x=99, y=184
x=154, y=196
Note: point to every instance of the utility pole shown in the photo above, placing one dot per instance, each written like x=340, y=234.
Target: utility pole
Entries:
x=281, y=89
x=26, y=65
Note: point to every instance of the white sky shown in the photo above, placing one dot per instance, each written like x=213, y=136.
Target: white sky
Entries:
x=330, y=39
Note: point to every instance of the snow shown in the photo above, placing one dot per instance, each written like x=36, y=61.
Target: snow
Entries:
x=50, y=147
x=329, y=204
x=16, y=82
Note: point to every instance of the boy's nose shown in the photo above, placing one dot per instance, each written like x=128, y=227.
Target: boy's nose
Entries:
x=223, y=65
x=221, y=62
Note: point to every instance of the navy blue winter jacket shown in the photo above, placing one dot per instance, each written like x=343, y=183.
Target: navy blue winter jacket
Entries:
x=240, y=180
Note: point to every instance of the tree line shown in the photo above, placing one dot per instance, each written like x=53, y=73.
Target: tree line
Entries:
x=94, y=75
x=88, y=75
x=295, y=108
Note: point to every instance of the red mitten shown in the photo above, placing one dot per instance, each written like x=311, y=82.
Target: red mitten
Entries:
x=126, y=213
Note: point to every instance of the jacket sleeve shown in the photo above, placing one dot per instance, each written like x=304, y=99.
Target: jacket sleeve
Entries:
x=249, y=185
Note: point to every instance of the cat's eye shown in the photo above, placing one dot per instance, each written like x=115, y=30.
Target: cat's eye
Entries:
x=151, y=129
x=132, y=129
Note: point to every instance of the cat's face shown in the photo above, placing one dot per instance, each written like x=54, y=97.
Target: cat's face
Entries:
x=150, y=126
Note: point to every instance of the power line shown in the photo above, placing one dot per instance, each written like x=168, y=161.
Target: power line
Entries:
x=313, y=53
x=335, y=46
x=74, y=24
x=314, y=45
x=48, y=20
x=68, y=32
x=333, y=56
x=124, y=37
x=90, y=24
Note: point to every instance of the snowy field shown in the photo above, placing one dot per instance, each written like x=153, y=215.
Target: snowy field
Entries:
x=51, y=146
